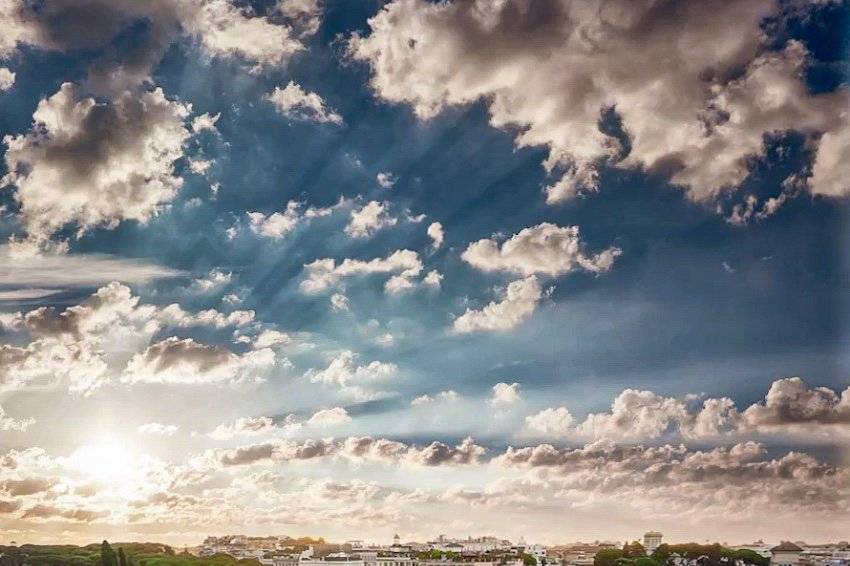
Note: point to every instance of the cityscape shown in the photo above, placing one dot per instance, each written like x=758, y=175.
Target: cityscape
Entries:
x=563, y=280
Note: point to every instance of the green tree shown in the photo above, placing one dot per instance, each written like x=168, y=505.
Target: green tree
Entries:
x=107, y=555
x=529, y=560
x=607, y=557
x=634, y=550
x=644, y=561
x=122, y=558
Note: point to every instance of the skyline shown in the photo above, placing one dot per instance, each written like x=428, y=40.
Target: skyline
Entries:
x=558, y=269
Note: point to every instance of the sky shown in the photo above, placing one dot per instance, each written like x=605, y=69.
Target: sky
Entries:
x=554, y=269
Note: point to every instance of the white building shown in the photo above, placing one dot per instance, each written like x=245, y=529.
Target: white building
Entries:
x=651, y=541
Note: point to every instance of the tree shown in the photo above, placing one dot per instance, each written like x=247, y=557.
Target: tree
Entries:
x=122, y=559
x=644, y=561
x=607, y=557
x=634, y=550
x=107, y=555
x=529, y=560
x=662, y=553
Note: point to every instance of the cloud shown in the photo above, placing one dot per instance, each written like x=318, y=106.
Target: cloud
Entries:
x=85, y=346
x=50, y=512
x=279, y=224
x=186, y=361
x=214, y=280
x=78, y=270
x=329, y=417
x=297, y=104
x=505, y=395
x=27, y=486
x=352, y=379
x=7, y=79
x=96, y=163
x=323, y=274
x=443, y=396
x=517, y=305
x=552, y=423
x=545, y=249
x=157, y=429
x=205, y=123
x=11, y=424
x=437, y=235
x=790, y=409
x=369, y=219
x=244, y=426
x=551, y=71
x=386, y=180
x=340, y=302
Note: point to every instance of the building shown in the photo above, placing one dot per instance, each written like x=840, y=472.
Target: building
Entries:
x=785, y=554
x=651, y=541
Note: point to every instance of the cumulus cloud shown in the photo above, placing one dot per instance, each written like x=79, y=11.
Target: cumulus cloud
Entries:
x=9, y=423
x=550, y=422
x=186, y=361
x=545, y=249
x=517, y=305
x=505, y=394
x=86, y=345
x=205, y=123
x=329, y=417
x=350, y=378
x=437, y=235
x=386, y=180
x=279, y=224
x=244, y=426
x=214, y=280
x=443, y=396
x=96, y=163
x=323, y=274
x=555, y=70
x=369, y=219
x=340, y=302
x=790, y=408
x=7, y=79
x=297, y=104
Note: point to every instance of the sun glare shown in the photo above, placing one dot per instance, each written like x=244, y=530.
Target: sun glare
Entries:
x=107, y=462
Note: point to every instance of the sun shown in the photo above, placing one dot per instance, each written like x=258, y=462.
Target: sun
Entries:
x=105, y=461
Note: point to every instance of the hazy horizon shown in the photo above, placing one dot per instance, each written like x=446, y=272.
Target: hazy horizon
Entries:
x=559, y=269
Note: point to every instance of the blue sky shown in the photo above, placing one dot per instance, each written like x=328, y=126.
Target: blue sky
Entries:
x=704, y=267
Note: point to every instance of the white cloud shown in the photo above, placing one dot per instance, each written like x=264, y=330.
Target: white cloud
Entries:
x=11, y=424
x=340, y=302
x=96, y=163
x=443, y=396
x=279, y=224
x=297, y=104
x=437, y=235
x=386, y=180
x=505, y=395
x=369, y=219
x=517, y=305
x=553, y=423
x=271, y=338
x=205, y=123
x=158, y=429
x=85, y=346
x=225, y=30
x=77, y=270
x=187, y=362
x=355, y=380
x=323, y=274
x=244, y=426
x=329, y=417
x=7, y=79
x=213, y=281
x=551, y=72
x=545, y=249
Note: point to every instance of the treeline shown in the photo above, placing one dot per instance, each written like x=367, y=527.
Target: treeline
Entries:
x=123, y=554
x=634, y=554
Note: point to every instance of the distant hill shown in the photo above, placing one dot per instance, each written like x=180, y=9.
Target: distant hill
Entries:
x=137, y=553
